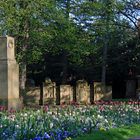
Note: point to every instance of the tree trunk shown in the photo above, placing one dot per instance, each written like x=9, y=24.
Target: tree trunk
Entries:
x=22, y=78
x=67, y=9
x=64, y=70
x=91, y=84
x=138, y=25
x=74, y=92
x=65, y=58
x=41, y=94
x=57, y=94
x=25, y=28
x=105, y=47
x=104, y=63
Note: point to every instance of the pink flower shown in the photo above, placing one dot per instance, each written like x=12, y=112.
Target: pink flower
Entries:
x=45, y=108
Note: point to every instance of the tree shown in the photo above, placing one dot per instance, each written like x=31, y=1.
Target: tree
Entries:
x=24, y=20
x=102, y=19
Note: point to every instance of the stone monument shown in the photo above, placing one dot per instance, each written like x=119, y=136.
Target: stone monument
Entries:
x=131, y=88
x=9, y=74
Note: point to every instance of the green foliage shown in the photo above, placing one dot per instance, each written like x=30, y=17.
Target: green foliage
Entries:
x=26, y=21
x=79, y=27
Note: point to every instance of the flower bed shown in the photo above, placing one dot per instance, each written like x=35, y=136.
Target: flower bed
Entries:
x=64, y=122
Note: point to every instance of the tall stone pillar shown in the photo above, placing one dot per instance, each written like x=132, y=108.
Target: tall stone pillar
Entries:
x=9, y=74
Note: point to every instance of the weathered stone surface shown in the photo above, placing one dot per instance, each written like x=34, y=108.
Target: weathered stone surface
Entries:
x=98, y=95
x=66, y=94
x=83, y=94
x=32, y=96
x=9, y=74
x=50, y=93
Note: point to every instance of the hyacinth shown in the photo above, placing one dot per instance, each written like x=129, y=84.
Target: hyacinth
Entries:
x=65, y=122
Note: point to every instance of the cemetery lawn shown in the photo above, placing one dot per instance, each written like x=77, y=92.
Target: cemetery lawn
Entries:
x=123, y=133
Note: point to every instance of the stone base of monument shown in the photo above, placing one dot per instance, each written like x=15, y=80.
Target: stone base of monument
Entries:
x=9, y=104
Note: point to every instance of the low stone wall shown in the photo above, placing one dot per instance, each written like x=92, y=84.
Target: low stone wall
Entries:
x=32, y=96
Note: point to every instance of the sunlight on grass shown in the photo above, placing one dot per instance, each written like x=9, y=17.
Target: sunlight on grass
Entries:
x=123, y=133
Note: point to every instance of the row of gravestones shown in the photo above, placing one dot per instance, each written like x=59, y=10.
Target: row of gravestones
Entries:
x=9, y=83
x=66, y=93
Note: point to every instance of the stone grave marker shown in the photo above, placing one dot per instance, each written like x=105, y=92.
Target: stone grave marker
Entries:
x=66, y=94
x=98, y=95
x=83, y=93
x=49, y=93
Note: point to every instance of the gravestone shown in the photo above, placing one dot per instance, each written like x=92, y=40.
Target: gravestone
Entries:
x=49, y=93
x=9, y=74
x=32, y=96
x=130, y=88
x=83, y=93
x=99, y=95
x=66, y=94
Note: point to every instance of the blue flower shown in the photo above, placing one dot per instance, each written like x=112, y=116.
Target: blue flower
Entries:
x=46, y=136
x=66, y=134
x=38, y=138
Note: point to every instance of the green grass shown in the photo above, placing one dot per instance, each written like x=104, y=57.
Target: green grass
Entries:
x=123, y=133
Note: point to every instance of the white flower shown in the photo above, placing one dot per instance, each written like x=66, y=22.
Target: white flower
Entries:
x=17, y=126
x=12, y=117
x=71, y=118
x=51, y=125
x=99, y=125
x=88, y=120
x=100, y=117
x=49, y=113
x=5, y=118
x=126, y=109
x=106, y=121
x=25, y=115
